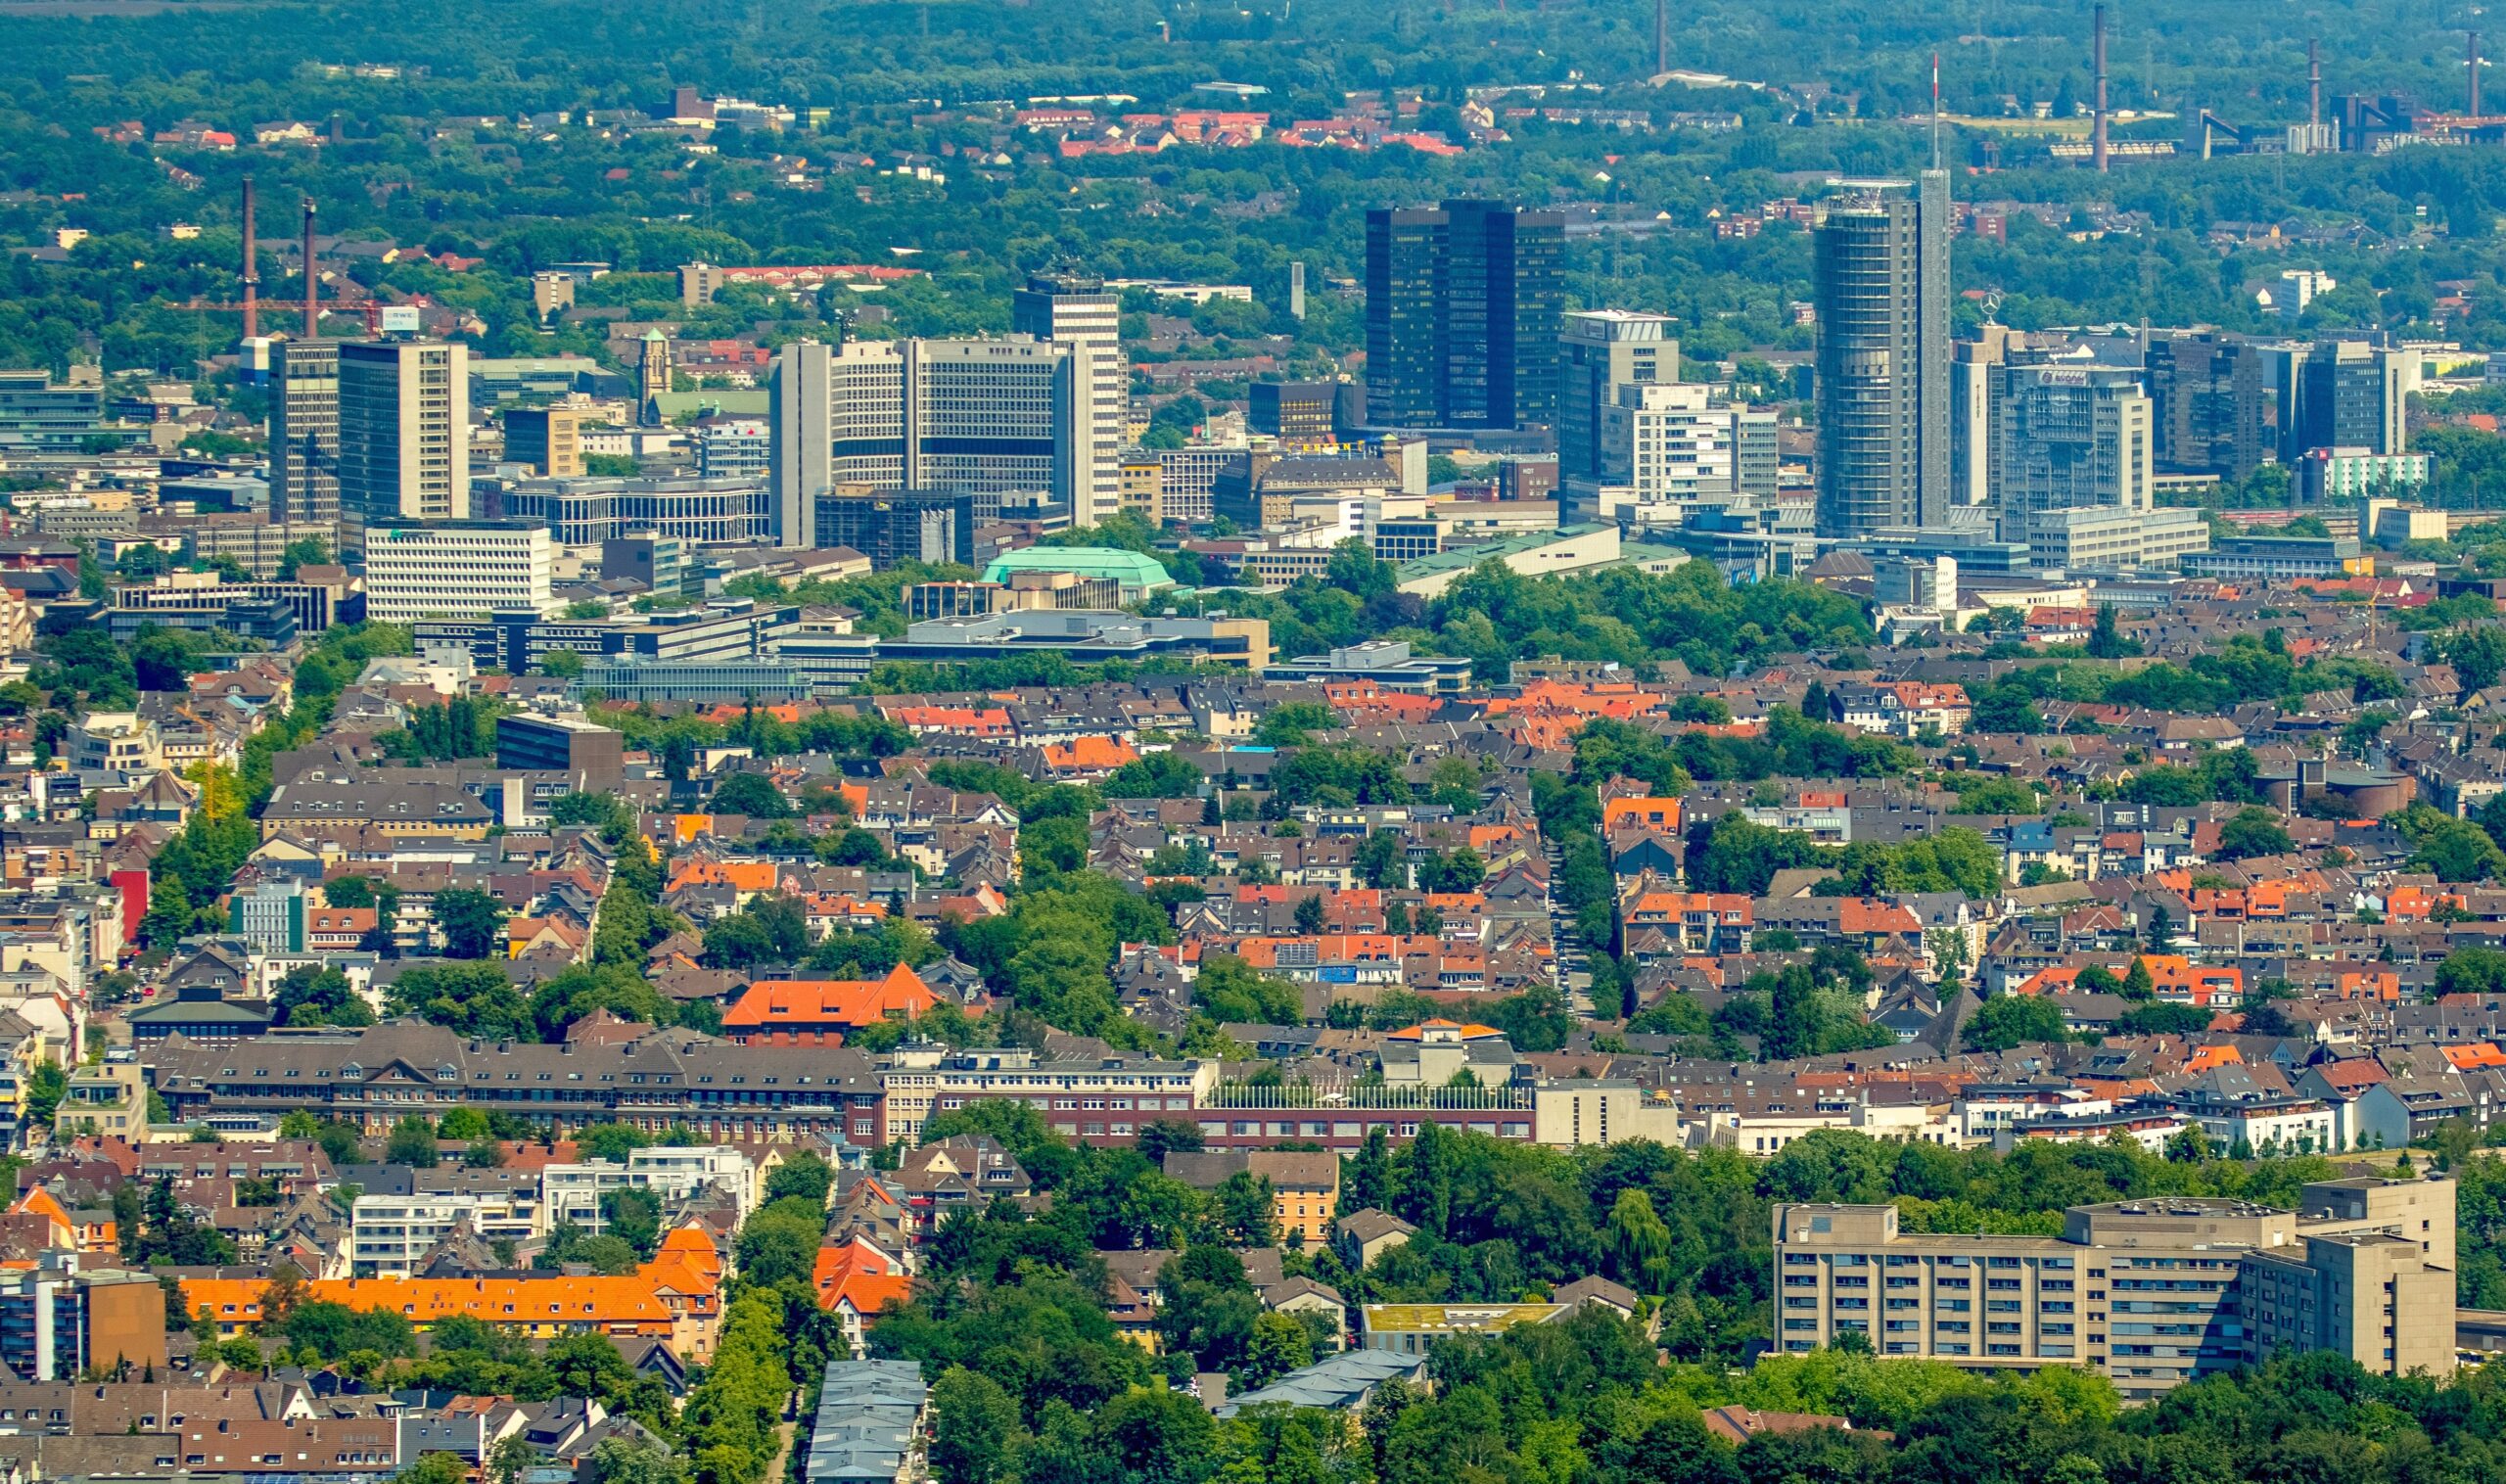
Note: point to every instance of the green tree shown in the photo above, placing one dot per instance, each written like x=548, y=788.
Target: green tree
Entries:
x=472, y=922
x=412, y=1142
x=2013, y=1020
x=1640, y=1244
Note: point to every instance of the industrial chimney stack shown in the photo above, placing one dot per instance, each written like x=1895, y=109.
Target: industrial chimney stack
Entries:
x=251, y=269
x=2314, y=84
x=1661, y=36
x=2473, y=68
x=2096, y=120
x=312, y=279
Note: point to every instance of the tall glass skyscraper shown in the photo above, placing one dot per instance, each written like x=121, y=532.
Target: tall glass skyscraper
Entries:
x=1881, y=267
x=1462, y=314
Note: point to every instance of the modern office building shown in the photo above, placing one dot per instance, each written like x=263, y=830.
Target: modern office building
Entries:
x=453, y=569
x=561, y=745
x=1665, y=445
x=1972, y=367
x=704, y=683
x=662, y=563
x=2151, y=1293
x=2268, y=386
x=2278, y=558
x=2327, y=476
x=516, y=641
x=982, y=417
x=203, y=600
x=892, y=526
x=404, y=433
x=1599, y=352
x=742, y=449
x=1087, y=635
x=1881, y=282
x=1067, y=308
x=1306, y=410
x=2351, y=396
x=550, y=440
x=586, y=511
x=2192, y=386
x=2069, y=437
x=1463, y=315
x=305, y=432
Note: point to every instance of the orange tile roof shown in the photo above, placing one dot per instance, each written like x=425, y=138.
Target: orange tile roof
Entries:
x=1088, y=754
x=860, y=1274
x=550, y=1300
x=821, y=1005
x=745, y=875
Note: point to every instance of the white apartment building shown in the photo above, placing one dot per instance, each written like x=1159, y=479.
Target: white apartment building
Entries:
x=118, y=740
x=1664, y=445
x=390, y=1235
x=404, y=432
x=457, y=569
x=572, y=1193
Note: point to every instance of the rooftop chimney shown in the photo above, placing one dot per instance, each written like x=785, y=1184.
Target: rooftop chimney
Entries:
x=251, y=269
x=2096, y=120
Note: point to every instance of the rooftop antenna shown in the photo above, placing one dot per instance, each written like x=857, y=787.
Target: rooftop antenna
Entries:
x=1935, y=111
x=2096, y=122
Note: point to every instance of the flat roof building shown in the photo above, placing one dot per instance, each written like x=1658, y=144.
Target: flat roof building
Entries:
x=2151, y=1293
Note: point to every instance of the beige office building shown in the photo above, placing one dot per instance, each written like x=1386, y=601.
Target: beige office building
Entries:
x=2153, y=1293
x=550, y=440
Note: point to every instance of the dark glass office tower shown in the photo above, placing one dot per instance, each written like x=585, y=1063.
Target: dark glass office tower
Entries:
x=1462, y=314
x=1880, y=274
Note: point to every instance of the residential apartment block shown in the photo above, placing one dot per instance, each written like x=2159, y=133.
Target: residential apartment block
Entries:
x=2153, y=1293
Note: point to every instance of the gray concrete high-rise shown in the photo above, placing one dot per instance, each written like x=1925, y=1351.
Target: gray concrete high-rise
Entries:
x=1463, y=315
x=987, y=417
x=1881, y=272
x=1065, y=307
x=1597, y=352
x=305, y=432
